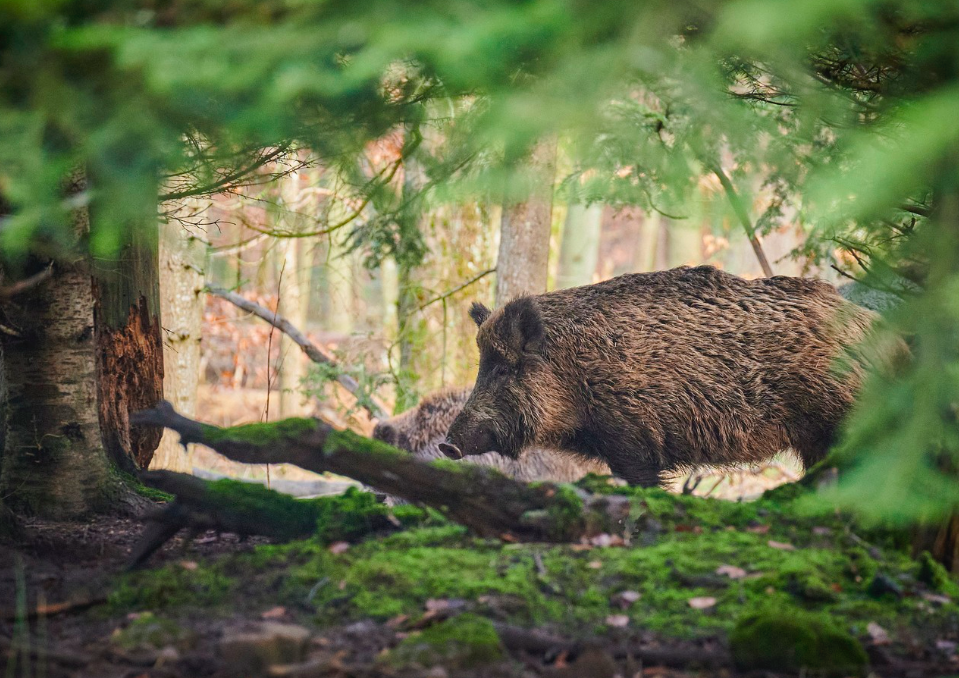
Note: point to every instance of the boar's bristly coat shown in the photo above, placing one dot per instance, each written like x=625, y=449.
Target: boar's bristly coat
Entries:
x=655, y=372
x=421, y=429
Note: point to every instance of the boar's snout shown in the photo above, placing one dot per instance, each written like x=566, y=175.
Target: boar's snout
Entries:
x=468, y=437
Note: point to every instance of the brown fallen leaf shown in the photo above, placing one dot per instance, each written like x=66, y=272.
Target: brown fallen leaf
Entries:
x=702, y=603
x=274, y=613
x=731, y=571
x=784, y=546
x=594, y=564
x=339, y=547
x=758, y=529
x=189, y=565
x=624, y=599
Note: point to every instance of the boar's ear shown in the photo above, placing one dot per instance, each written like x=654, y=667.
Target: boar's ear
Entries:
x=479, y=313
x=525, y=326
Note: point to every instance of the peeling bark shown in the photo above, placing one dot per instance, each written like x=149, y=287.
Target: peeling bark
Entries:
x=129, y=348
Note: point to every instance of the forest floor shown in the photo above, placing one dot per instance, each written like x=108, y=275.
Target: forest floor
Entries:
x=703, y=587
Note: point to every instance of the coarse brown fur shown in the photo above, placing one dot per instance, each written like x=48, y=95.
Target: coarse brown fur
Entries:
x=655, y=372
x=422, y=429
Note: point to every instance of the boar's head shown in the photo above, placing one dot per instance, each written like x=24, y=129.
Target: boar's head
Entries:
x=512, y=398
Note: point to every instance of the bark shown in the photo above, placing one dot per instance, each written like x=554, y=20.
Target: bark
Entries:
x=54, y=463
x=479, y=498
x=522, y=262
x=182, y=268
x=579, y=251
x=292, y=300
x=129, y=347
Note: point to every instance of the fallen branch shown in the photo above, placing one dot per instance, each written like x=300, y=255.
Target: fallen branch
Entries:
x=477, y=497
x=312, y=351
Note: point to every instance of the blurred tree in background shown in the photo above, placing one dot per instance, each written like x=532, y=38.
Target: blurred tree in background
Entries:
x=838, y=113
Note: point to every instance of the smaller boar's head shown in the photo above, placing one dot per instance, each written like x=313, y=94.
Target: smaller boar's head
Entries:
x=501, y=414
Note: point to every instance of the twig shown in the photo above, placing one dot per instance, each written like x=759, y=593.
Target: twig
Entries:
x=458, y=288
x=312, y=351
x=743, y=215
x=26, y=284
x=52, y=609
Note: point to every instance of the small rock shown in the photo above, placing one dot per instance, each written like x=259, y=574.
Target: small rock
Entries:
x=878, y=634
x=617, y=621
x=882, y=585
x=261, y=645
x=437, y=672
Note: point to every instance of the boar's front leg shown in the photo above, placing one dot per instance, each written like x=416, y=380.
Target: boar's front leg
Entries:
x=644, y=475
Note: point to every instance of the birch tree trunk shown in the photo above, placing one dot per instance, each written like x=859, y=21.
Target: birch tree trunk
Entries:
x=53, y=462
x=182, y=277
x=522, y=262
x=579, y=250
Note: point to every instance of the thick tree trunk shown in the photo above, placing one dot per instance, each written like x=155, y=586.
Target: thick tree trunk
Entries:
x=54, y=462
x=522, y=263
x=182, y=267
x=129, y=347
x=579, y=251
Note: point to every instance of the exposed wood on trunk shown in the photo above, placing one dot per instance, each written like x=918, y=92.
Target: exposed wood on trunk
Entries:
x=522, y=262
x=129, y=345
x=312, y=351
x=477, y=497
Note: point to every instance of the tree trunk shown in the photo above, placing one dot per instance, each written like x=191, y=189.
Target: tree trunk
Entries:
x=292, y=303
x=580, y=247
x=182, y=269
x=54, y=463
x=522, y=263
x=129, y=347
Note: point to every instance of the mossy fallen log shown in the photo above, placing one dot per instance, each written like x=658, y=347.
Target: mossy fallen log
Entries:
x=482, y=499
x=247, y=509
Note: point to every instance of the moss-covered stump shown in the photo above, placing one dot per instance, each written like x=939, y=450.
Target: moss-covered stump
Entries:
x=465, y=641
x=795, y=640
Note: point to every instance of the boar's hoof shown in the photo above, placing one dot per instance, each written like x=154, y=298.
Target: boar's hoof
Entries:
x=451, y=451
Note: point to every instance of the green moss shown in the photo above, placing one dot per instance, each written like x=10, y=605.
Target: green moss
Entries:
x=465, y=641
x=172, y=586
x=934, y=575
x=149, y=631
x=775, y=641
x=260, y=434
x=289, y=517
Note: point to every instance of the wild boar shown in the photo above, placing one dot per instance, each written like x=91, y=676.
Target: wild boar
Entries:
x=659, y=372
x=422, y=429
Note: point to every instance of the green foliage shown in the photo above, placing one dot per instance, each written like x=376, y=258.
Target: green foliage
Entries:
x=321, y=375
